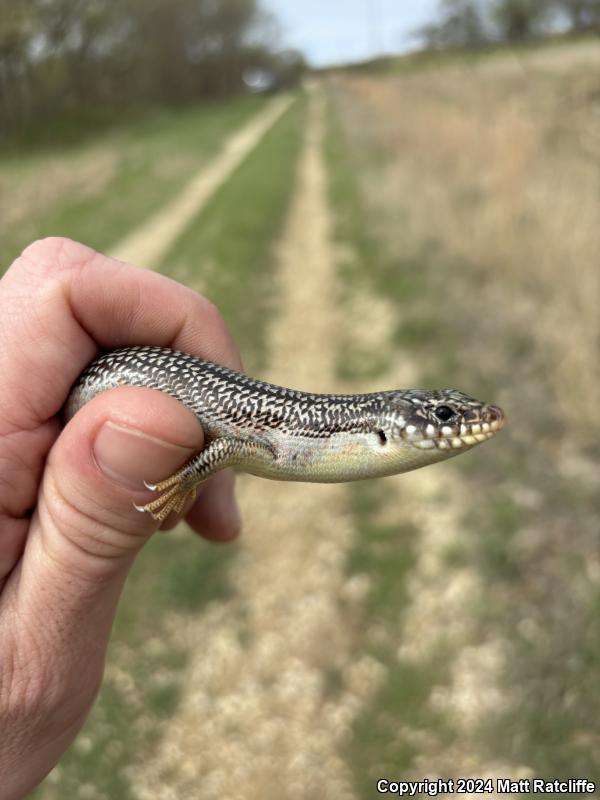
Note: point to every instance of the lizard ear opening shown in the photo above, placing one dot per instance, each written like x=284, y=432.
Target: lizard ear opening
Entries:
x=382, y=437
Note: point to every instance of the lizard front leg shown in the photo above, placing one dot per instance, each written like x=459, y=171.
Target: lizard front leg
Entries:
x=220, y=453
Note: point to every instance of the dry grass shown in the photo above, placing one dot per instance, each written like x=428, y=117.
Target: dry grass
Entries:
x=481, y=184
x=30, y=187
x=501, y=172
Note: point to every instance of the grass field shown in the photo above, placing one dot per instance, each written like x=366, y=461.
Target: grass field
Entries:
x=98, y=188
x=464, y=204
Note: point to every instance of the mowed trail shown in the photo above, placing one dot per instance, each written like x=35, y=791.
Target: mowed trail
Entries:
x=254, y=720
x=149, y=243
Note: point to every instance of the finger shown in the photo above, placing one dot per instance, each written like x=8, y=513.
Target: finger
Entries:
x=174, y=518
x=22, y=458
x=60, y=300
x=215, y=514
x=86, y=530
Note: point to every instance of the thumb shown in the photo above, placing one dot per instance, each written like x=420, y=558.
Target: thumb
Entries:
x=96, y=472
x=58, y=604
x=86, y=531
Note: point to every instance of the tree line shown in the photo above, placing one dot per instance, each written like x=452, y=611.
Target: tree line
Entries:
x=477, y=23
x=62, y=55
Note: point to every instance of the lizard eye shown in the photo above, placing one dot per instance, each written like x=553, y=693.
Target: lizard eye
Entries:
x=444, y=413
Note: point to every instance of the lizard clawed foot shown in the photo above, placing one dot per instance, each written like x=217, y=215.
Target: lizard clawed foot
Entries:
x=218, y=454
x=173, y=499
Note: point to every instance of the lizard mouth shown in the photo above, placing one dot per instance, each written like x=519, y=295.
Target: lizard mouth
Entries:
x=490, y=420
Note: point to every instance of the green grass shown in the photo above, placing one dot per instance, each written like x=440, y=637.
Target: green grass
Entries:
x=362, y=255
x=227, y=253
x=72, y=128
x=379, y=746
x=99, y=190
x=496, y=523
x=385, y=553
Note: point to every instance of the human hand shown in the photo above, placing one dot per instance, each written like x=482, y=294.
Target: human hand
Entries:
x=68, y=530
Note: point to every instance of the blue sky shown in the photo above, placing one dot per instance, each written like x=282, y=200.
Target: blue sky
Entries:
x=334, y=31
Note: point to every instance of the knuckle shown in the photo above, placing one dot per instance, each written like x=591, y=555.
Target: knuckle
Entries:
x=225, y=345
x=56, y=254
x=30, y=682
x=209, y=312
x=96, y=534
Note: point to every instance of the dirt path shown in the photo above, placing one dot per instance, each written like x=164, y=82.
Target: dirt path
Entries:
x=253, y=722
x=148, y=244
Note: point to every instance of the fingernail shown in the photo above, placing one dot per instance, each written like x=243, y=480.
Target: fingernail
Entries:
x=131, y=457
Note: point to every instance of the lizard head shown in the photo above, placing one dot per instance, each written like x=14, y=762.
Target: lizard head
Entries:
x=445, y=420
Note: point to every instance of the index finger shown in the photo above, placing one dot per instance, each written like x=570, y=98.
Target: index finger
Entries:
x=61, y=302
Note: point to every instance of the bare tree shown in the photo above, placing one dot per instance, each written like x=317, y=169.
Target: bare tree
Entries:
x=461, y=24
x=519, y=20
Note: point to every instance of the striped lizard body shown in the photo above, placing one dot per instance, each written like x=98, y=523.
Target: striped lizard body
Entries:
x=284, y=434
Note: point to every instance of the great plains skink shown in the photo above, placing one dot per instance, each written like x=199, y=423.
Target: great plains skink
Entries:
x=290, y=435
